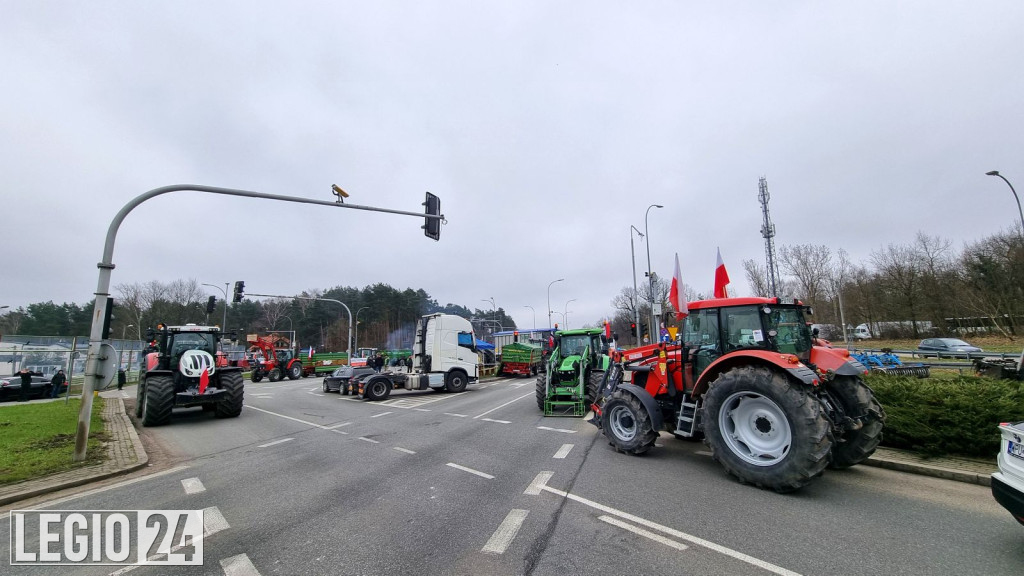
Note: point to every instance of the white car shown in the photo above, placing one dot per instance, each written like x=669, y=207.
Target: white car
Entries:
x=1008, y=482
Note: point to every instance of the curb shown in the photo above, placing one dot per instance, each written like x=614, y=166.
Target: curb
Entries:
x=54, y=483
x=930, y=470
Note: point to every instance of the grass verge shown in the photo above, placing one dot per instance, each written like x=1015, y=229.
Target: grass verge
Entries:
x=39, y=439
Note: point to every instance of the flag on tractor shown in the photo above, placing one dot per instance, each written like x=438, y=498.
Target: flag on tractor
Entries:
x=676, y=294
x=721, y=278
x=204, y=380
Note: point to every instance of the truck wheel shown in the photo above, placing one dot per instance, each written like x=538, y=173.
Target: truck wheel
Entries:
x=377, y=388
x=857, y=401
x=627, y=424
x=231, y=406
x=274, y=375
x=295, y=371
x=158, y=401
x=455, y=381
x=766, y=430
x=541, y=388
x=139, y=390
x=594, y=383
x=255, y=376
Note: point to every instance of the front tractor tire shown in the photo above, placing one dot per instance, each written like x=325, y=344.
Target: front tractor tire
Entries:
x=594, y=382
x=231, y=406
x=858, y=403
x=275, y=374
x=765, y=429
x=627, y=424
x=255, y=376
x=158, y=401
x=541, y=389
x=295, y=371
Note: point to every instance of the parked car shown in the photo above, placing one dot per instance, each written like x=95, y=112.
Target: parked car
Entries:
x=1008, y=482
x=944, y=346
x=341, y=379
x=10, y=387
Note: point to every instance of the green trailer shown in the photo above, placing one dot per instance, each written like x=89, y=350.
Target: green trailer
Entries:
x=521, y=359
x=322, y=363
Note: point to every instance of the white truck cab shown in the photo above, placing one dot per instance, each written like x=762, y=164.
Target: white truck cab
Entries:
x=445, y=350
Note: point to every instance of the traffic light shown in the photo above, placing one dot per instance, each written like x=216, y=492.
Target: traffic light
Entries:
x=632, y=327
x=211, y=304
x=432, y=226
x=515, y=336
x=239, y=291
x=105, y=334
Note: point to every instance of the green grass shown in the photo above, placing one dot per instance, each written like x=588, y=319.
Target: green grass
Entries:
x=39, y=439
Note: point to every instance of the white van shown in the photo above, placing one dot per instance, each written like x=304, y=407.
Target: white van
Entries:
x=861, y=332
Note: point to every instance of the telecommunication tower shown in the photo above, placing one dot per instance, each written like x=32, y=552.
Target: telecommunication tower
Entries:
x=768, y=233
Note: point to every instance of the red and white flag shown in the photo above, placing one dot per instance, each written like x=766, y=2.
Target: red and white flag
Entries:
x=310, y=352
x=721, y=278
x=676, y=293
x=204, y=381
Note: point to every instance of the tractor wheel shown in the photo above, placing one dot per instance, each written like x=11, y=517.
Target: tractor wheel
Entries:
x=232, y=405
x=255, y=376
x=295, y=371
x=857, y=401
x=594, y=383
x=378, y=388
x=766, y=430
x=627, y=424
x=139, y=390
x=456, y=381
x=542, y=389
x=158, y=401
x=274, y=375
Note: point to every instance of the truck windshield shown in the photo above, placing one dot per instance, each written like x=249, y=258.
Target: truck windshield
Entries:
x=793, y=336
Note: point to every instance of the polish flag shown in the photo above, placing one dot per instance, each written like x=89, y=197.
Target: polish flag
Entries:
x=310, y=352
x=721, y=278
x=204, y=380
x=676, y=295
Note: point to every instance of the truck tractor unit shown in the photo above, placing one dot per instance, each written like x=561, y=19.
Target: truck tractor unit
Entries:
x=277, y=363
x=178, y=370
x=444, y=357
x=775, y=408
x=574, y=374
x=521, y=359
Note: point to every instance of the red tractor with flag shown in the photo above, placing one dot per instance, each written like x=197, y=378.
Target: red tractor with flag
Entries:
x=179, y=370
x=748, y=377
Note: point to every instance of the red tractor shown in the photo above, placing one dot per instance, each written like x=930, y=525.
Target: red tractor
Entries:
x=775, y=406
x=276, y=363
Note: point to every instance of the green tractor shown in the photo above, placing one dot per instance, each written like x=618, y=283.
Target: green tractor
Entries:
x=574, y=373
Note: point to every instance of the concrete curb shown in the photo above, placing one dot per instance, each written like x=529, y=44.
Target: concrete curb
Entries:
x=935, y=470
x=125, y=441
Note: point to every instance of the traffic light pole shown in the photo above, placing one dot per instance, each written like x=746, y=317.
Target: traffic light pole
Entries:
x=106, y=264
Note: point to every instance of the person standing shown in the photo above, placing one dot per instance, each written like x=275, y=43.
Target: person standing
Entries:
x=26, y=383
x=56, y=383
x=122, y=378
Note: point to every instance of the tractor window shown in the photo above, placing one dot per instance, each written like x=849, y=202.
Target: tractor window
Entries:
x=573, y=345
x=184, y=341
x=792, y=333
x=701, y=335
x=743, y=326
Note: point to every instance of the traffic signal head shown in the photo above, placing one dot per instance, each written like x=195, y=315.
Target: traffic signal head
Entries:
x=239, y=291
x=432, y=226
x=211, y=304
x=632, y=326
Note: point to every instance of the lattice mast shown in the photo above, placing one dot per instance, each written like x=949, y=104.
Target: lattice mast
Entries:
x=768, y=233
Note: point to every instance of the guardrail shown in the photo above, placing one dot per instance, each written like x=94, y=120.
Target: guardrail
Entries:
x=927, y=354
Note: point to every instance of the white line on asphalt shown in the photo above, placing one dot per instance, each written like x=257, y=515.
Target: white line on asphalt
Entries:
x=503, y=405
x=262, y=396
x=665, y=529
x=471, y=471
x=645, y=533
x=381, y=414
x=193, y=486
x=315, y=393
x=406, y=450
x=556, y=429
x=563, y=451
x=370, y=440
x=702, y=453
x=281, y=441
x=339, y=432
x=423, y=409
x=456, y=415
x=213, y=522
x=492, y=420
x=351, y=399
x=320, y=426
x=333, y=426
x=506, y=532
x=538, y=483
x=238, y=566
x=315, y=389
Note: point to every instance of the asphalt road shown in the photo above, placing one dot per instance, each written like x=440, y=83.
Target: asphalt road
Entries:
x=481, y=483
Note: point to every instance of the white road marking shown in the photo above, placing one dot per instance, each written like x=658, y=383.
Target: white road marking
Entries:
x=456, y=415
x=645, y=533
x=351, y=399
x=333, y=426
x=213, y=522
x=471, y=471
x=506, y=532
x=539, y=483
x=563, y=451
x=370, y=440
x=314, y=393
x=423, y=409
x=503, y=405
x=556, y=429
x=262, y=396
x=492, y=420
x=238, y=566
x=702, y=453
x=281, y=441
x=315, y=425
x=406, y=450
x=193, y=486
x=381, y=414
x=315, y=389
x=339, y=432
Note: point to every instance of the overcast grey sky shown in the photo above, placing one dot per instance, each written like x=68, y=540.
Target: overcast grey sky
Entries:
x=546, y=128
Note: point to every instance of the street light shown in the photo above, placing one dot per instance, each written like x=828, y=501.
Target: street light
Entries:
x=1015, y=197
x=636, y=295
x=494, y=309
x=534, y=315
x=125, y=328
x=224, y=325
x=650, y=277
x=549, y=300
x=357, y=326
x=565, y=316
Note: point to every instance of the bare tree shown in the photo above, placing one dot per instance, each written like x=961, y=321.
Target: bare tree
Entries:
x=899, y=273
x=274, y=311
x=757, y=278
x=811, y=266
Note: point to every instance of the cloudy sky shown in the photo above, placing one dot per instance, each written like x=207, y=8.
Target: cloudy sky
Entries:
x=546, y=127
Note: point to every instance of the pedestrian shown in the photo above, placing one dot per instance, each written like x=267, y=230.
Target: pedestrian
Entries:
x=408, y=364
x=26, y=383
x=121, y=378
x=56, y=383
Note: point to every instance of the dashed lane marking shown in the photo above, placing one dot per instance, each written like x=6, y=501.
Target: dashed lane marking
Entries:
x=370, y=440
x=239, y=565
x=503, y=405
x=492, y=420
x=193, y=486
x=381, y=414
x=281, y=441
x=405, y=450
x=506, y=532
x=563, y=451
x=315, y=393
x=471, y=471
x=556, y=429
x=339, y=432
x=333, y=426
x=645, y=533
x=423, y=409
x=213, y=522
x=307, y=422
x=538, y=483
x=456, y=415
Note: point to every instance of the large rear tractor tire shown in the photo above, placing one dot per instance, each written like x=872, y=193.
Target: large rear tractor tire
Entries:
x=765, y=429
x=855, y=446
x=138, y=397
x=627, y=424
x=456, y=381
x=231, y=406
x=295, y=370
x=377, y=388
x=594, y=382
x=541, y=389
x=158, y=401
x=274, y=375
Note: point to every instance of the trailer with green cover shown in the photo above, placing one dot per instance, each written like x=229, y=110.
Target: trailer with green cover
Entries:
x=521, y=359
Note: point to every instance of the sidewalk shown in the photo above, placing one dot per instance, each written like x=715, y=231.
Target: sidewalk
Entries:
x=124, y=454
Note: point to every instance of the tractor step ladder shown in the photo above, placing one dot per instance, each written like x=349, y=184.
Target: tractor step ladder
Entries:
x=687, y=423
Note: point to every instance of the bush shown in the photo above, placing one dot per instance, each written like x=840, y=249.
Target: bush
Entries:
x=957, y=416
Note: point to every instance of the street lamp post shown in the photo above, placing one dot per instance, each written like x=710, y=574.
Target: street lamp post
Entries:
x=534, y=315
x=356, y=345
x=1015, y=197
x=494, y=309
x=549, y=300
x=565, y=316
x=224, y=323
x=636, y=295
x=650, y=277
x=126, y=328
